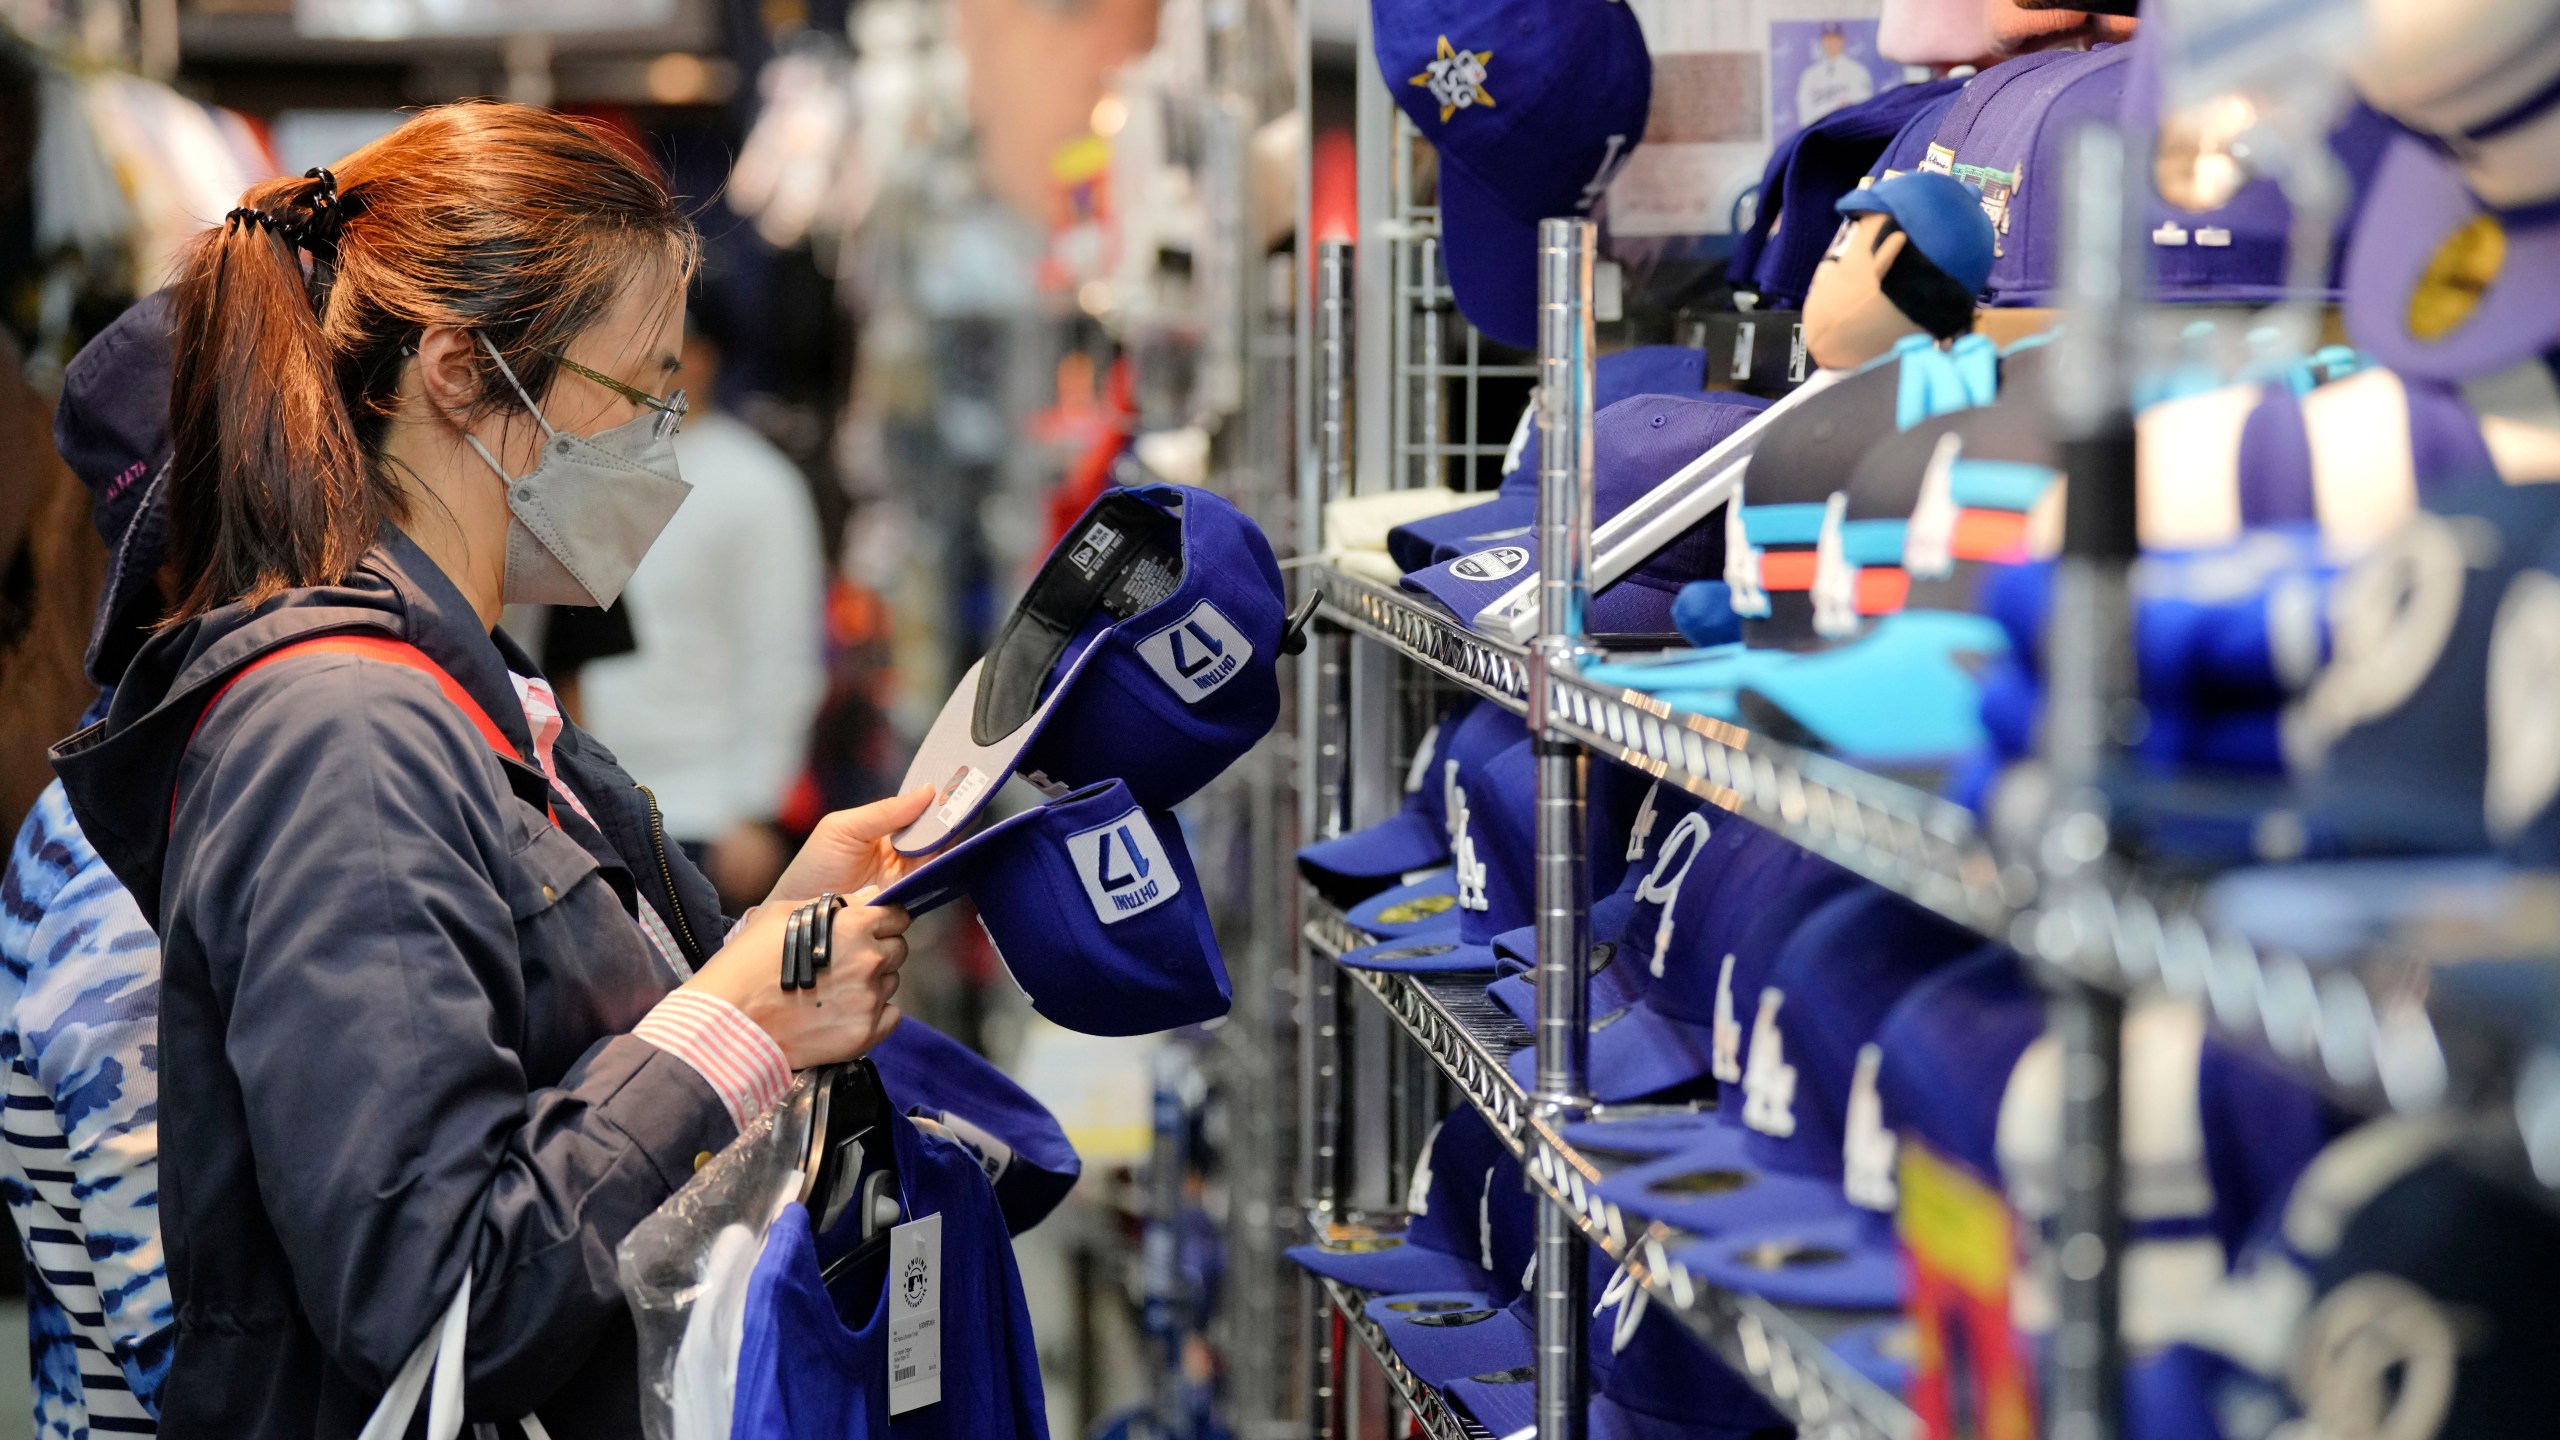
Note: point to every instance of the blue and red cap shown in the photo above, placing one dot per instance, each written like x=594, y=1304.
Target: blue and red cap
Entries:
x=1531, y=105
x=1144, y=651
x=1093, y=905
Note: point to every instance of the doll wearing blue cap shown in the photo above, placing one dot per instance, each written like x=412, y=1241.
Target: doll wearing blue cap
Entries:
x=1912, y=255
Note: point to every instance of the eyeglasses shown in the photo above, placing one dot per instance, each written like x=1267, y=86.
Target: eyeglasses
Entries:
x=671, y=411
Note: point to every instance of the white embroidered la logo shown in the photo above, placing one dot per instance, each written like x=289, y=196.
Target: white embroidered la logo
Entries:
x=1196, y=654
x=1123, y=866
x=1769, y=1084
x=1465, y=868
x=1726, y=1056
x=1456, y=79
x=1866, y=1147
x=1661, y=885
x=1642, y=829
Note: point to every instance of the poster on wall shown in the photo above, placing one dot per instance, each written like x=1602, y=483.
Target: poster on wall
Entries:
x=1818, y=66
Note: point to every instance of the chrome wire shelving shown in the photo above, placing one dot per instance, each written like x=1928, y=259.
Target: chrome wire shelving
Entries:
x=2371, y=1031
x=1422, y=1402
x=1780, y=1350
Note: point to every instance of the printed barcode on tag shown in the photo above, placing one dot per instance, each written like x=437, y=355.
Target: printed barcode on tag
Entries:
x=904, y=1372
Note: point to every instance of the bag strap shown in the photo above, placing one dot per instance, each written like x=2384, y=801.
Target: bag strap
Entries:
x=369, y=647
x=433, y=1372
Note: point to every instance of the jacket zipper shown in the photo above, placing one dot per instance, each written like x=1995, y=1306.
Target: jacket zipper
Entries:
x=667, y=873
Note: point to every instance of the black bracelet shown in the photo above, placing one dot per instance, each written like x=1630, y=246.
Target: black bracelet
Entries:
x=808, y=937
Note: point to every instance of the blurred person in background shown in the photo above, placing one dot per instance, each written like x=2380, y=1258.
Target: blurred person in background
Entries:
x=714, y=704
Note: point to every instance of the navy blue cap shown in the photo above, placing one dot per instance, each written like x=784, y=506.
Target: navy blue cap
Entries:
x=1493, y=846
x=1144, y=651
x=1093, y=905
x=1654, y=1383
x=1444, y=1336
x=1619, y=375
x=1942, y=215
x=1416, y=837
x=1471, y=1226
x=1532, y=105
x=1637, y=444
x=112, y=429
x=1025, y=1152
x=1425, y=905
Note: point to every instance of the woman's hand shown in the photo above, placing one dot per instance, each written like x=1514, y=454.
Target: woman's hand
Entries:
x=849, y=1009
x=850, y=850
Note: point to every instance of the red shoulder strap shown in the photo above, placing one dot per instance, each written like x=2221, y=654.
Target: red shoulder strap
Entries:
x=369, y=647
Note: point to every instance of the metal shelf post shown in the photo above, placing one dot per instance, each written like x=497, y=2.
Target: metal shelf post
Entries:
x=1565, y=252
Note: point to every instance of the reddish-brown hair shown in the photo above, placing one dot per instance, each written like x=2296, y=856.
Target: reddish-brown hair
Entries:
x=512, y=222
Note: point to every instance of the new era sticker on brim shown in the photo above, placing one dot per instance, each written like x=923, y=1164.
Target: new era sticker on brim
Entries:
x=1498, y=563
x=965, y=775
x=1123, y=866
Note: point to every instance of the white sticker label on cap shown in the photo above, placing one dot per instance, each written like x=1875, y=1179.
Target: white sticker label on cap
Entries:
x=1123, y=867
x=1499, y=563
x=1198, y=653
x=915, y=1314
x=960, y=794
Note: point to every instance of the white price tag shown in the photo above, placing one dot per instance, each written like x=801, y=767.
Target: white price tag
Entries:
x=915, y=1315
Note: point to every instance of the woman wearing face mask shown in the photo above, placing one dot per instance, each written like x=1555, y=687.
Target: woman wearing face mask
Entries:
x=440, y=1004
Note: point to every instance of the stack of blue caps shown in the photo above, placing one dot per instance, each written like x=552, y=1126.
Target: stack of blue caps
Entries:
x=1659, y=844
x=1654, y=1381
x=1413, y=846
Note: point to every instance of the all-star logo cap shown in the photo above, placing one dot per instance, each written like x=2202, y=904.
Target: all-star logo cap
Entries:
x=1533, y=105
x=1144, y=651
x=1093, y=904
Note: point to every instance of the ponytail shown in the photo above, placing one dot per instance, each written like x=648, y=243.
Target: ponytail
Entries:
x=269, y=488
x=519, y=225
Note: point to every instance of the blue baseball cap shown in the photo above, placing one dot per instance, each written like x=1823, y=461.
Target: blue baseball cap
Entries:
x=1779, y=1151
x=1654, y=1383
x=960, y=1093
x=1881, y=1350
x=112, y=428
x=1493, y=848
x=1094, y=907
x=1144, y=651
x=1734, y=908
x=1416, y=837
x=1426, y=905
x=1637, y=444
x=1469, y=1213
x=1806, y=178
x=1532, y=106
x=1619, y=375
x=1655, y=845
x=1444, y=1336
x=1942, y=215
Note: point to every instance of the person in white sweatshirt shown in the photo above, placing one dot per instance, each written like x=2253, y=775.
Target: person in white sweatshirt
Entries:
x=712, y=710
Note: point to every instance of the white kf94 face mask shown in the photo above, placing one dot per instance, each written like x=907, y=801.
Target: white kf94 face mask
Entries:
x=582, y=517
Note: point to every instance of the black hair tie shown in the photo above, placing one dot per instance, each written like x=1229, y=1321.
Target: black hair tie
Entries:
x=313, y=223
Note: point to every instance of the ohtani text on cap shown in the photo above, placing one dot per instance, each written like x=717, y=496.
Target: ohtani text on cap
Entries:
x=1198, y=653
x=1123, y=867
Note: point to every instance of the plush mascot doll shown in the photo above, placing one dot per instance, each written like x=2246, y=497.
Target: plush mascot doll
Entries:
x=1911, y=257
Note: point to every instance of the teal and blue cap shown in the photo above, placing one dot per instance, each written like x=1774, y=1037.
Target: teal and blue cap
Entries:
x=1093, y=905
x=1942, y=215
x=1145, y=650
x=1532, y=105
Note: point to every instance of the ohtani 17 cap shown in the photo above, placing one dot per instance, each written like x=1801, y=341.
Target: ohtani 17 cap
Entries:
x=1636, y=445
x=1093, y=905
x=1144, y=651
x=1532, y=106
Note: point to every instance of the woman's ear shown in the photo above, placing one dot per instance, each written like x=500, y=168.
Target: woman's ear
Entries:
x=449, y=370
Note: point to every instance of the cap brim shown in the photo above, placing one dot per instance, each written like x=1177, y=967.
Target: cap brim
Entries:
x=1637, y=1053
x=1860, y=202
x=964, y=774
x=1428, y=906
x=953, y=873
x=1465, y=597
x=2416, y=204
x=1493, y=260
x=1419, y=544
x=1442, y=1354
x=1503, y=1410
x=1396, y=846
x=1866, y=1275
x=1870, y=1350
x=1668, y=1189
x=1919, y=657
x=1611, y=991
x=1443, y=954
x=1394, y=1270
x=1646, y=1136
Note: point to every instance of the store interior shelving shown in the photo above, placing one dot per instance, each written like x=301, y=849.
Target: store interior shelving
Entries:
x=1423, y=1403
x=1779, y=1349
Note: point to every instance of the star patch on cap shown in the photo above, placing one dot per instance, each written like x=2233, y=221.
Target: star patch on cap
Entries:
x=1456, y=78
